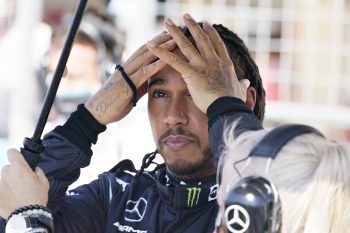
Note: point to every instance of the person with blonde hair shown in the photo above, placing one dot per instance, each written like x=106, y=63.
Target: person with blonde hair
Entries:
x=308, y=172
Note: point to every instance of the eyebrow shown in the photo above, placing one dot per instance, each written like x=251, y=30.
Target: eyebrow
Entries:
x=156, y=81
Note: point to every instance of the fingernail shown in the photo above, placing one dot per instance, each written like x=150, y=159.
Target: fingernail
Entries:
x=206, y=23
x=187, y=16
x=169, y=22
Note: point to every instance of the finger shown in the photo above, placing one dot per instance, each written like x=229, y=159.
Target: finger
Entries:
x=148, y=57
x=16, y=158
x=185, y=45
x=40, y=173
x=158, y=39
x=200, y=37
x=217, y=42
x=173, y=60
x=152, y=69
x=145, y=72
x=4, y=171
x=142, y=90
x=142, y=75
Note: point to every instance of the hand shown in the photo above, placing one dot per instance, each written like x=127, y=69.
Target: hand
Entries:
x=114, y=100
x=20, y=186
x=209, y=72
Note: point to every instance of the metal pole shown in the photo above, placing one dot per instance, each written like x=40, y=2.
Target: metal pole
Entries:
x=33, y=145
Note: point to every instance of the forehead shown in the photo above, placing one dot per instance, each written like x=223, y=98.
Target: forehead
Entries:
x=166, y=77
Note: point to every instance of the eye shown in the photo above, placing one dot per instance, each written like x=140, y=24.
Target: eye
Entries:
x=159, y=94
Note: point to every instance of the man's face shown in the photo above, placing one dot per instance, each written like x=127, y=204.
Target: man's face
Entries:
x=83, y=71
x=179, y=128
x=82, y=78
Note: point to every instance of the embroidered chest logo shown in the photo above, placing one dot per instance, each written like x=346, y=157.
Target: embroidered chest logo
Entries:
x=193, y=196
x=135, y=210
x=213, y=192
x=122, y=183
x=125, y=228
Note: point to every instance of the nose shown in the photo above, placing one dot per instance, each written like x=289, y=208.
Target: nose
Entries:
x=176, y=113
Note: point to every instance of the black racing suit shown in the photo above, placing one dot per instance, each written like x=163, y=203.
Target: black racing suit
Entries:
x=119, y=200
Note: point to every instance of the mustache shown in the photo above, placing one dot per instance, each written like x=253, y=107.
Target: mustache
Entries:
x=178, y=131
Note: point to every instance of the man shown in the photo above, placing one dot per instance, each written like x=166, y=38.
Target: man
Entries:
x=98, y=45
x=182, y=86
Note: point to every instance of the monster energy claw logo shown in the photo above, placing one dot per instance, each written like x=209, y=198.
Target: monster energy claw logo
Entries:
x=193, y=196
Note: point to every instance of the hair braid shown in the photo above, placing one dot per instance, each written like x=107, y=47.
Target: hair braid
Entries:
x=244, y=65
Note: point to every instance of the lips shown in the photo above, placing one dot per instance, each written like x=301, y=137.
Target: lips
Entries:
x=177, y=142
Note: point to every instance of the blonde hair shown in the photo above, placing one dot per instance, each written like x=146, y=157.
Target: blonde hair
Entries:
x=312, y=176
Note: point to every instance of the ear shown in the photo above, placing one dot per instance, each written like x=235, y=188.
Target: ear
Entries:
x=251, y=98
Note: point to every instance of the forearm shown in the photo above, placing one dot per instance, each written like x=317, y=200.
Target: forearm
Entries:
x=224, y=112
x=67, y=149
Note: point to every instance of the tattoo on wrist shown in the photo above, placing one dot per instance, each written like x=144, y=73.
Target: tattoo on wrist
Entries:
x=103, y=106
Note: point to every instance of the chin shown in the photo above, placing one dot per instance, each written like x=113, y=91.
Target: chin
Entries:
x=182, y=169
x=187, y=162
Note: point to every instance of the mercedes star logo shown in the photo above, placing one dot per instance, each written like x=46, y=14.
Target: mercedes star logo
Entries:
x=237, y=219
x=135, y=210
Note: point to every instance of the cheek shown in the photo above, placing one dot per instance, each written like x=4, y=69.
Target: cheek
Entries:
x=199, y=123
x=154, y=129
x=154, y=116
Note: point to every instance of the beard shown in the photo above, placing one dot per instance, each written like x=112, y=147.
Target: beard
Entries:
x=184, y=167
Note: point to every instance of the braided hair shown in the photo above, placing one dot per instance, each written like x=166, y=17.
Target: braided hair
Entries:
x=244, y=64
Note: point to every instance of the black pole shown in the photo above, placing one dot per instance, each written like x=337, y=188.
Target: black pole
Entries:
x=33, y=146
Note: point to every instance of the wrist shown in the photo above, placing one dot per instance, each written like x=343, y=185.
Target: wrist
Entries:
x=30, y=219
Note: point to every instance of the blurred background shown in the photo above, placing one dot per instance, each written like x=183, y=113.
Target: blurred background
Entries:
x=302, y=48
